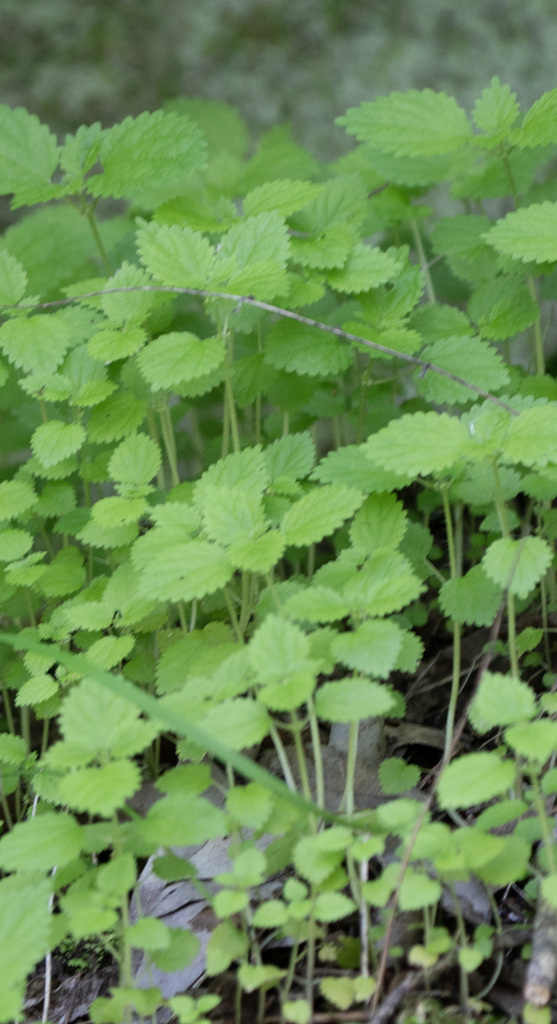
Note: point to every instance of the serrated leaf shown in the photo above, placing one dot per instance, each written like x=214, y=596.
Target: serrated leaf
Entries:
x=36, y=344
x=332, y=906
x=473, y=598
x=46, y=841
x=395, y=776
x=342, y=201
x=319, y=513
x=535, y=741
x=373, y=647
x=539, y=126
x=325, y=250
x=474, y=779
x=65, y=574
x=306, y=350
x=177, y=357
x=496, y=111
x=366, y=267
x=36, y=690
x=284, y=196
x=179, y=571
x=243, y=720
x=116, y=417
x=292, y=456
x=259, y=554
x=418, y=890
x=351, y=465
x=256, y=240
x=16, y=497
x=175, y=255
x=13, y=279
x=532, y=436
x=502, y=308
x=245, y=470
x=183, y=819
x=25, y=934
x=469, y=358
x=317, y=604
x=232, y=515
x=28, y=151
x=94, y=721
x=384, y=584
x=55, y=441
x=528, y=234
x=136, y=460
x=352, y=700
x=410, y=124
x=128, y=307
x=148, y=157
x=500, y=700
x=279, y=649
x=517, y=564
x=380, y=523
x=461, y=239
x=109, y=345
x=100, y=790
x=419, y=443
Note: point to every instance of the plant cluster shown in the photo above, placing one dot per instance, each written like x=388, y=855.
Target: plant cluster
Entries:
x=259, y=428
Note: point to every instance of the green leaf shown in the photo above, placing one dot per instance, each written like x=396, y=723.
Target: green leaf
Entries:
x=461, y=239
x=116, y=417
x=500, y=700
x=372, y=648
x=517, y=564
x=175, y=255
x=245, y=470
x=242, y=719
x=55, y=440
x=182, y=948
x=502, y=308
x=94, y=721
x=177, y=357
x=418, y=890
x=25, y=927
x=535, y=741
x=528, y=234
x=226, y=944
x=255, y=240
x=305, y=350
x=232, y=515
x=136, y=460
x=111, y=344
x=100, y=790
x=380, y=523
x=46, y=841
x=383, y=585
x=410, y=124
x=468, y=358
x=259, y=555
x=179, y=571
x=319, y=513
x=250, y=805
x=316, y=857
x=531, y=436
x=65, y=574
x=147, y=158
x=496, y=111
x=292, y=456
x=325, y=250
x=538, y=128
x=333, y=906
x=395, y=776
x=283, y=195
x=419, y=443
x=473, y=598
x=28, y=151
x=279, y=649
x=13, y=279
x=183, y=819
x=36, y=344
x=317, y=604
x=365, y=268
x=474, y=779
x=16, y=497
x=352, y=700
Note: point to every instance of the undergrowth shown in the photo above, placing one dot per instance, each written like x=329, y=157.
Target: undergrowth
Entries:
x=266, y=429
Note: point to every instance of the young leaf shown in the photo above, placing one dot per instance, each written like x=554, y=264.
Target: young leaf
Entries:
x=410, y=124
x=319, y=513
x=351, y=700
x=177, y=357
x=380, y=523
x=100, y=790
x=116, y=417
x=517, y=564
x=148, y=157
x=279, y=649
x=535, y=741
x=528, y=234
x=496, y=111
x=366, y=267
x=36, y=344
x=242, y=719
x=538, y=128
x=372, y=648
x=502, y=308
x=474, y=779
x=28, y=151
x=16, y=497
x=292, y=456
x=317, y=604
x=384, y=584
x=13, y=279
x=136, y=460
x=179, y=571
x=473, y=598
x=55, y=440
x=283, y=195
x=175, y=255
x=419, y=443
x=500, y=700
x=49, y=840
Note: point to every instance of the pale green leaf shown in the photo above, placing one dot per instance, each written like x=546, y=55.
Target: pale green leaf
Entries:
x=243, y=720
x=528, y=234
x=317, y=604
x=372, y=648
x=115, y=511
x=25, y=932
x=316, y=857
x=473, y=598
x=250, y=805
x=468, y=358
x=14, y=544
x=36, y=344
x=179, y=571
x=65, y=574
x=351, y=465
x=292, y=456
x=116, y=417
x=245, y=470
x=36, y=690
x=306, y=350
x=501, y=309
x=148, y=157
x=55, y=441
x=419, y=443
x=418, y=890
x=232, y=515
x=517, y=564
x=384, y=584
x=283, y=195
x=474, y=779
x=259, y=554
x=94, y=721
x=535, y=741
x=109, y=651
x=325, y=250
x=100, y=790
x=16, y=496
x=13, y=279
x=41, y=843
x=254, y=240
x=532, y=436
x=332, y=906
x=461, y=239
x=395, y=776
x=352, y=700
x=183, y=819
x=411, y=124
x=279, y=649
x=28, y=151
x=365, y=268
x=177, y=357
x=182, y=949
x=226, y=944
x=319, y=513
x=380, y=523
x=496, y=110
x=500, y=700
x=136, y=460
x=175, y=255
x=539, y=125
x=111, y=344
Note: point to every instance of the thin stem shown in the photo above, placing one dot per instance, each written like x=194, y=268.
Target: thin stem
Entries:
x=537, y=328
x=317, y=756
x=416, y=234
x=169, y=440
x=455, y=684
x=92, y=221
x=544, y=823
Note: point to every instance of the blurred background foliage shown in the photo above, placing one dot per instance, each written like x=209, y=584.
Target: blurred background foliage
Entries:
x=306, y=61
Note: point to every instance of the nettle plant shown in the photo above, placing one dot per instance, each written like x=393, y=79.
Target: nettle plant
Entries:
x=218, y=373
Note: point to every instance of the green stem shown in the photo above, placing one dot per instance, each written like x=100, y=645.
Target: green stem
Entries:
x=317, y=756
x=431, y=298
x=351, y=759
x=537, y=328
x=545, y=826
x=92, y=221
x=152, y=424
x=301, y=755
x=169, y=440
x=455, y=684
